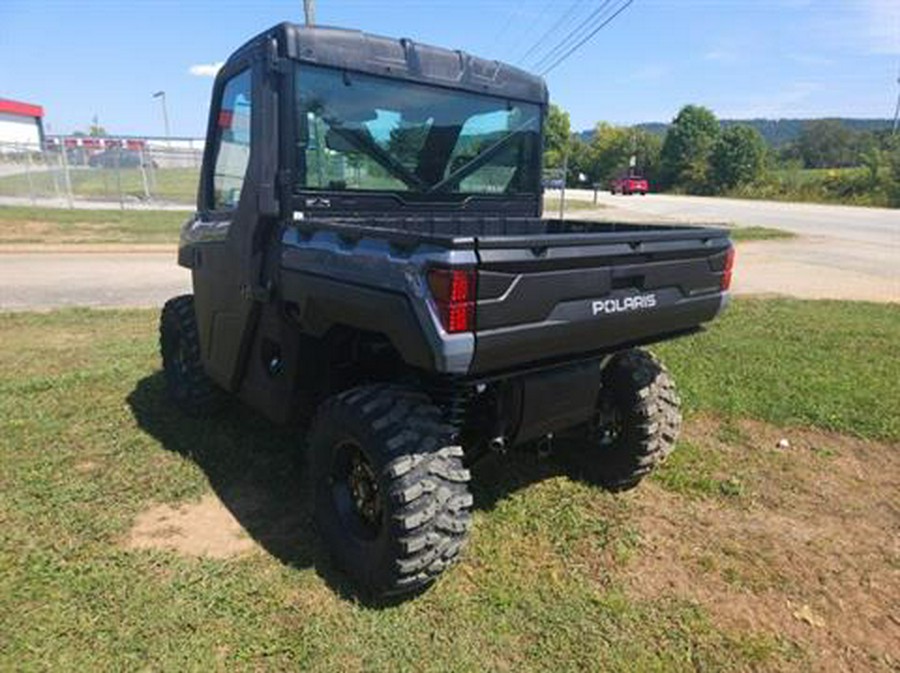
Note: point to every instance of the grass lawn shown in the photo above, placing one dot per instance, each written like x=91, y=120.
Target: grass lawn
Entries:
x=826, y=364
x=177, y=185
x=52, y=226
x=551, y=206
x=558, y=576
x=29, y=225
x=740, y=234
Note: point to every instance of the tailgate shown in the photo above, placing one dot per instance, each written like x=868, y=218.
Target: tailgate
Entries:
x=559, y=296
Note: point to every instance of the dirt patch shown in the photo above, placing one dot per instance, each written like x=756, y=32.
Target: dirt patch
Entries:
x=810, y=553
x=202, y=529
x=86, y=466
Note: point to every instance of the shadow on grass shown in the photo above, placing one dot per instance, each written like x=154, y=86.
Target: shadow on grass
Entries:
x=258, y=471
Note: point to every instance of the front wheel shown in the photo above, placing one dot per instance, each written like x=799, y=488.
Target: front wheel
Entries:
x=636, y=427
x=392, y=501
x=179, y=343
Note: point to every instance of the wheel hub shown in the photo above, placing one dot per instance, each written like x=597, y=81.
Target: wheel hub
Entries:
x=608, y=423
x=364, y=489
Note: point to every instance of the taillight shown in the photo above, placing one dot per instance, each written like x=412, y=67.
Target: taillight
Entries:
x=729, y=266
x=453, y=291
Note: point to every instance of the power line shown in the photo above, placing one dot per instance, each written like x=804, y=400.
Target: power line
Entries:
x=533, y=26
x=501, y=35
x=588, y=37
x=573, y=35
x=552, y=29
x=580, y=29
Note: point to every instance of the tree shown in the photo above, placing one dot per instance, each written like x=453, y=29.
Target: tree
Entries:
x=684, y=158
x=891, y=151
x=648, y=147
x=580, y=161
x=610, y=149
x=95, y=130
x=738, y=158
x=826, y=143
x=557, y=136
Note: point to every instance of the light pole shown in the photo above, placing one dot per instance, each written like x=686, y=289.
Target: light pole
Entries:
x=896, y=111
x=309, y=12
x=162, y=96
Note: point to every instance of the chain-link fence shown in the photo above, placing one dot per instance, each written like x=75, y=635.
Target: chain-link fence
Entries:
x=101, y=172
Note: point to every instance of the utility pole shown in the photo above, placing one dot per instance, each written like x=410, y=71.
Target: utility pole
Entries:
x=632, y=160
x=896, y=110
x=562, y=193
x=162, y=97
x=309, y=11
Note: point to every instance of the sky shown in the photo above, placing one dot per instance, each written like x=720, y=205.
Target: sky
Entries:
x=741, y=58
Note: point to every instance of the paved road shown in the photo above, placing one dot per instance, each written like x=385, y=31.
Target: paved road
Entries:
x=43, y=280
x=879, y=226
x=842, y=253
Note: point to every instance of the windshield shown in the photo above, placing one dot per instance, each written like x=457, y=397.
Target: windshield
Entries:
x=359, y=132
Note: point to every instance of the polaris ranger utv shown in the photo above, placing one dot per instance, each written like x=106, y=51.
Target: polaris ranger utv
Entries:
x=368, y=252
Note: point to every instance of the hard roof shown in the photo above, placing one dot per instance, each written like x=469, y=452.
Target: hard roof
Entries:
x=402, y=58
x=20, y=109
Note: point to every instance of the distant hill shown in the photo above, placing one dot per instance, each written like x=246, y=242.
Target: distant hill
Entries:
x=775, y=131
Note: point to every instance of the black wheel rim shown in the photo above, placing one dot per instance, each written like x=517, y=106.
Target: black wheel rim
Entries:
x=609, y=424
x=355, y=491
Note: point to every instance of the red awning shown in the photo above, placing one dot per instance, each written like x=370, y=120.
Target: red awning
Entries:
x=20, y=109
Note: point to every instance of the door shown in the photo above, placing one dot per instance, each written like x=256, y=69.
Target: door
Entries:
x=235, y=198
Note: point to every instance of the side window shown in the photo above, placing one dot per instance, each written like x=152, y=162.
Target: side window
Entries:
x=233, y=142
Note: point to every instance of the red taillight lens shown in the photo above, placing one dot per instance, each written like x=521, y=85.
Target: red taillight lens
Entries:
x=729, y=266
x=453, y=291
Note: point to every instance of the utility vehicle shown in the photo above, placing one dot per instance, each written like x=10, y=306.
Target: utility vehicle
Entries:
x=368, y=252
x=628, y=185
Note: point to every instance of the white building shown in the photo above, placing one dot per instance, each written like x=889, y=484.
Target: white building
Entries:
x=21, y=124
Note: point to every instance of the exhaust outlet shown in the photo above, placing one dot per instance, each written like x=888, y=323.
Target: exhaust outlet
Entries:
x=498, y=444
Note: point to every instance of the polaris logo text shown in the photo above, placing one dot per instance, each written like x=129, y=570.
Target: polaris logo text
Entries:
x=635, y=303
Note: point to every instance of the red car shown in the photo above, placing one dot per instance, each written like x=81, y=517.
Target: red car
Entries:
x=628, y=185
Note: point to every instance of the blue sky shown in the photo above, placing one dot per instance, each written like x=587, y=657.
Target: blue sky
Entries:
x=742, y=58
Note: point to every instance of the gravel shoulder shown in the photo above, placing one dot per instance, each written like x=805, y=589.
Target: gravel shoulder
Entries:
x=818, y=268
x=47, y=280
x=840, y=252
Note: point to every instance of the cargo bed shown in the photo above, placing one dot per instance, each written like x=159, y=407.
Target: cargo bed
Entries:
x=547, y=290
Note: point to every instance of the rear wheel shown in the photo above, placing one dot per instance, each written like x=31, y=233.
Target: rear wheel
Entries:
x=636, y=426
x=179, y=343
x=392, y=498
